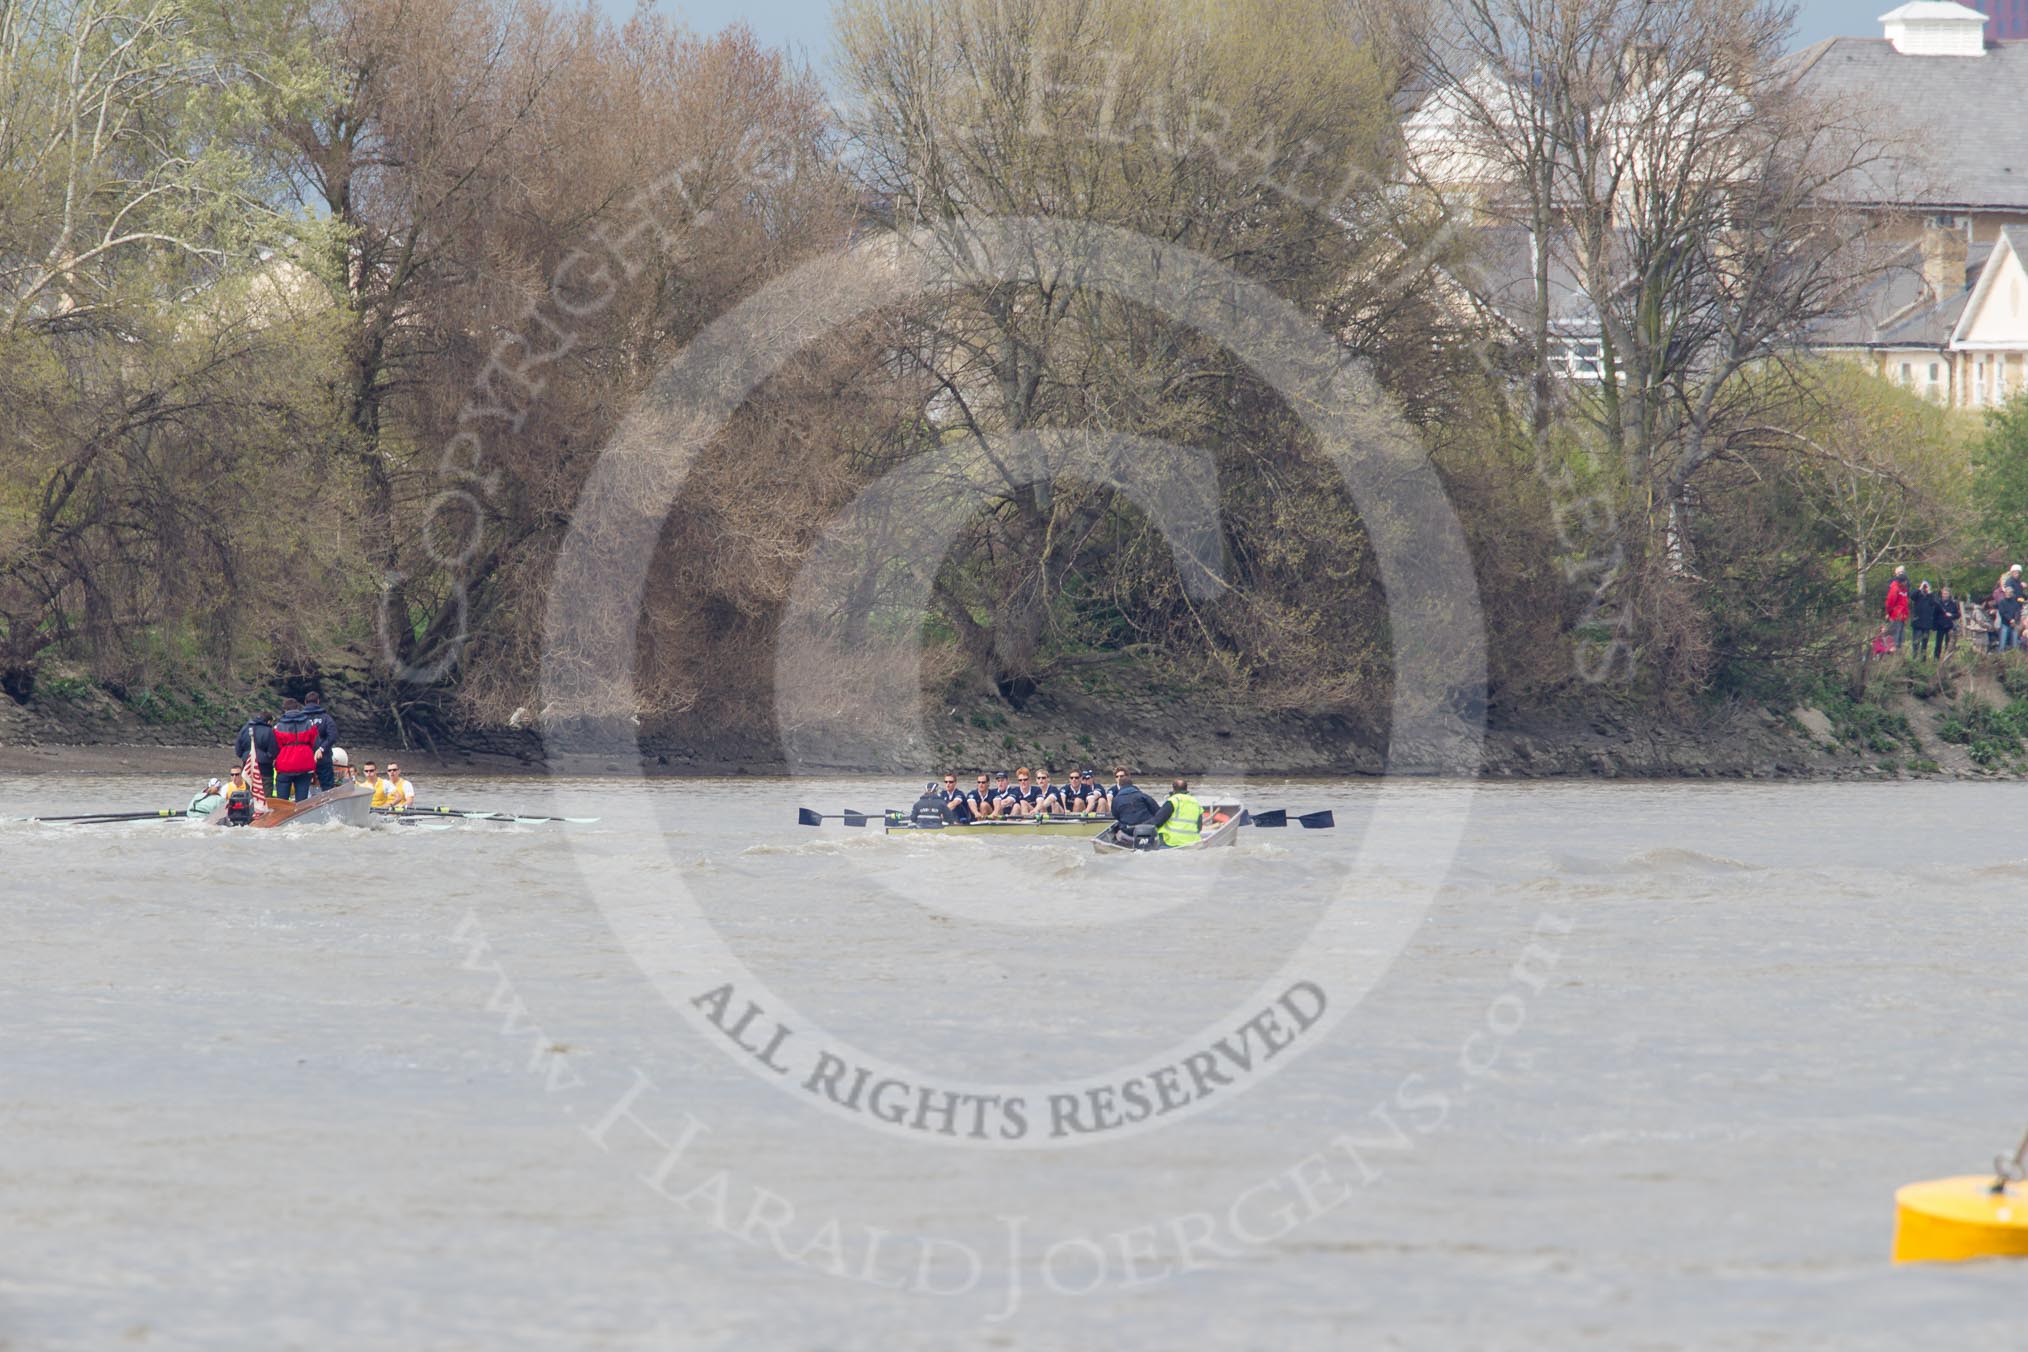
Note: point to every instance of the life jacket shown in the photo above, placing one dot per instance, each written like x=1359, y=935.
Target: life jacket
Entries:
x=295, y=748
x=1185, y=824
x=239, y=807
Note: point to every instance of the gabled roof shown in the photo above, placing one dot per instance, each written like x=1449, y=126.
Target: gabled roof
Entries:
x=2014, y=240
x=1931, y=327
x=1898, y=309
x=1967, y=114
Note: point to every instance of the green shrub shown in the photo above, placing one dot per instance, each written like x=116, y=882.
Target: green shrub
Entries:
x=1992, y=737
x=1862, y=725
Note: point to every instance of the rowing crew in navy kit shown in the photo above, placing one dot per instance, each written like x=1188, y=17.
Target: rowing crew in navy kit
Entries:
x=1029, y=796
x=1081, y=796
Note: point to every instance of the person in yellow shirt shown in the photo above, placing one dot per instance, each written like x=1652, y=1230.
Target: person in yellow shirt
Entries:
x=394, y=792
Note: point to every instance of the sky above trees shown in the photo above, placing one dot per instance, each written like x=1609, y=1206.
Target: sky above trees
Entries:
x=806, y=24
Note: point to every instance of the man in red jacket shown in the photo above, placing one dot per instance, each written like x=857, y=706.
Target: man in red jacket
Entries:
x=1897, y=607
x=296, y=739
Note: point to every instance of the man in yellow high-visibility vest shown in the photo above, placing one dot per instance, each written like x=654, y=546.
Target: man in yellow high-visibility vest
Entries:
x=1182, y=818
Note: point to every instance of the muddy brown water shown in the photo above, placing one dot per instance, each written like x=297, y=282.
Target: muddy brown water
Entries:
x=1645, y=1074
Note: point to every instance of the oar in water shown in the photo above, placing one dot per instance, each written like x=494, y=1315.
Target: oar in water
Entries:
x=807, y=817
x=1309, y=821
x=483, y=815
x=159, y=814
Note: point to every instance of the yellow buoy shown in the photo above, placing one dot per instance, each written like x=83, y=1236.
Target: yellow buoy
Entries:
x=1949, y=1220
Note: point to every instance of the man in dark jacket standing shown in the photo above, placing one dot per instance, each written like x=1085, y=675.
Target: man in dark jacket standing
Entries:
x=327, y=739
x=2007, y=608
x=257, y=739
x=1948, y=613
x=1922, y=618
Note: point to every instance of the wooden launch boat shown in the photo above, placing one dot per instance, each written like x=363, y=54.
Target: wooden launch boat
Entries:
x=1221, y=827
x=348, y=805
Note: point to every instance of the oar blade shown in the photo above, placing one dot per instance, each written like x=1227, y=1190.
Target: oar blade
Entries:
x=805, y=817
x=855, y=818
x=1271, y=819
x=1317, y=821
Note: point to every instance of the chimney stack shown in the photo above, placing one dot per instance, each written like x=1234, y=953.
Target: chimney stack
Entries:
x=1944, y=250
x=1936, y=28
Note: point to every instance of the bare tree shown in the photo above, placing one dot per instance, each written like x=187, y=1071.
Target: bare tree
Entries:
x=1700, y=197
x=1255, y=133
x=1485, y=138
x=1710, y=216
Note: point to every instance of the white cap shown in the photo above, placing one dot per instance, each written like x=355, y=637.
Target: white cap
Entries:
x=213, y=784
x=338, y=756
x=2015, y=569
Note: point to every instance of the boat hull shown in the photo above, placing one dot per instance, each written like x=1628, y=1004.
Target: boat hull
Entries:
x=1012, y=828
x=1218, y=836
x=351, y=806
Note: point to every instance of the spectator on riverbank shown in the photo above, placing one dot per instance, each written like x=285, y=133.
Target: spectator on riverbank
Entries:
x=1922, y=617
x=1978, y=627
x=1897, y=608
x=1948, y=612
x=2007, y=614
x=1883, y=643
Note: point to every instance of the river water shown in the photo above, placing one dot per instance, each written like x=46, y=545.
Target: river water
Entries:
x=1645, y=1071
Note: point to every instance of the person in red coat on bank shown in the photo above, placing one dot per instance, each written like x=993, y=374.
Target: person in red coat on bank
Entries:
x=296, y=739
x=1897, y=607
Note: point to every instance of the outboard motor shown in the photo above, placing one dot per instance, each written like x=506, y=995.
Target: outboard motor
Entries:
x=1145, y=837
x=239, y=808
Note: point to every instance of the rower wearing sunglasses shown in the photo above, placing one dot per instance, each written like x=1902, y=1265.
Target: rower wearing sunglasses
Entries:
x=1049, y=799
x=1025, y=798
x=957, y=803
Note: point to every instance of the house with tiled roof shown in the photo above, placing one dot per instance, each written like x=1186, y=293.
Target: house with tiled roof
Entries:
x=1949, y=203
x=1946, y=320
x=1952, y=202
x=1958, y=103
x=1989, y=343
